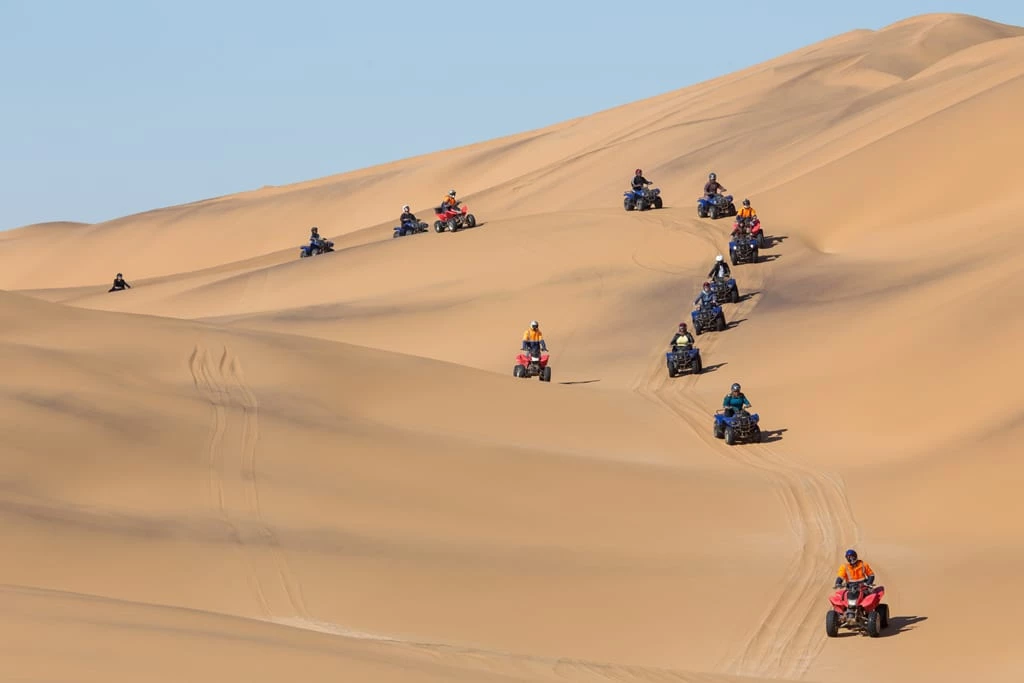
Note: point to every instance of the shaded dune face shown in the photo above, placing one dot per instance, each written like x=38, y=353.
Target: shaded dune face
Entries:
x=251, y=465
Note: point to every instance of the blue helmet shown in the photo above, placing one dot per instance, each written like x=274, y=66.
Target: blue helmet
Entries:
x=851, y=555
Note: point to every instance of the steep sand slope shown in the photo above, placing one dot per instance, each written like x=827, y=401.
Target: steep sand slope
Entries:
x=422, y=500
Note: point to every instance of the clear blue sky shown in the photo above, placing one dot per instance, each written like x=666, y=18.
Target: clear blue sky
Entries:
x=114, y=107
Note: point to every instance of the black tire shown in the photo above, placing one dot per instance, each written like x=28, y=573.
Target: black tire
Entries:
x=641, y=205
x=657, y=203
x=518, y=371
x=720, y=323
x=883, y=615
x=757, y=434
x=832, y=624
x=730, y=436
x=697, y=329
x=470, y=220
x=698, y=367
x=732, y=257
x=438, y=226
x=671, y=370
x=873, y=628
x=452, y=225
x=545, y=374
x=700, y=212
x=718, y=431
x=734, y=295
x=753, y=256
x=713, y=213
x=626, y=204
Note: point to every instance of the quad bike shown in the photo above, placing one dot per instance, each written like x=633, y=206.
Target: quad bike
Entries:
x=453, y=219
x=752, y=226
x=857, y=607
x=737, y=426
x=715, y=207
x=532, y=363
x=641, y=200
x=708, y=318
x=725, y=289
x=683, y=358
x=409, y=228
x=743, y=247
x=311, y=249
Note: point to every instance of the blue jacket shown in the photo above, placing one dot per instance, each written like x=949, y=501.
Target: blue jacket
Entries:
x=705, y=299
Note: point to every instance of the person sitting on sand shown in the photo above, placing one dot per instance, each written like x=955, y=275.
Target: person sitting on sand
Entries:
x=119, y=284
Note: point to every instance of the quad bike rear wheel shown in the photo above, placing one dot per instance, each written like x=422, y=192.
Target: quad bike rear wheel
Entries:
x=832, y=624
x=438, y=226
x=713, y=212
x=470, y=220
x=545, y=374
x=453, y=225
x=734, y=295
x=700, y=212
x=883, y=615
x=518, y=371
x=720, y=323
x=657, y=203
x=718, y=430
x=628, y=205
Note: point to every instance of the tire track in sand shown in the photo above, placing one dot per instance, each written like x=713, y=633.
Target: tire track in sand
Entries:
x=233, y=483
x=789, y=635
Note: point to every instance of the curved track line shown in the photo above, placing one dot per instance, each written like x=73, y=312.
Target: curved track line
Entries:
x=790, y=635
x=233, y=479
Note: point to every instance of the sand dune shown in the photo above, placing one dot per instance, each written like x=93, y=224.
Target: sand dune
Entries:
x=250, y=464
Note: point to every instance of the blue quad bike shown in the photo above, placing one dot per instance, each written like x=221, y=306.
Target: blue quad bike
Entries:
x=708, y=318
x=409, y=228
x=646, y=198
x=737, y=426
x=743, y=249
x=311, y=249
x=683, y=358
x=716, y=207
x=725, y=289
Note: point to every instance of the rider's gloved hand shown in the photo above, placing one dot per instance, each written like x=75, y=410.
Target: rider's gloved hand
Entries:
x=839, y=582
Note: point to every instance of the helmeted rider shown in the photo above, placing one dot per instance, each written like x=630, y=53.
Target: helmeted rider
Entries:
x=119, y=284
x=449, y=202
x=713, y=187
x=639, y=181
x=682, y=339
x=855, y=569
x=745, y=215
x=407, y=216
x=533, y=338
x=734, y=400
x=720, y=269
x=706, y=298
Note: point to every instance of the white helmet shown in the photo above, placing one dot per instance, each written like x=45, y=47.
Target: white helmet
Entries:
x=451, y=193
x=534, y=323
x=405, y=208
x=718, y=258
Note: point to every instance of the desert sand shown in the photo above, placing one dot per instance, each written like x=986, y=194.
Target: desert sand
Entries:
x=254, y=467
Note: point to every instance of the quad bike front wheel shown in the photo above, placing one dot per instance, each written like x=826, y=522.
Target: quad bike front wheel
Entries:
x=657, y=203
x=627, y=205
x=734, y=295
x=874, y=626
x=438, y=226
x=697, y=366
x=545, y=374
x=453, y=225
x=713, y=213
x=883, y=615
x=470, y=221
x=730, y=436
x=832, y=624
x=720, y=323
x=518, y=371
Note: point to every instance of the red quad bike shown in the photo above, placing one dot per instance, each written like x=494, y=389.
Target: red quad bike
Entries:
x=532, y=364
x=753, y=227
x=858, y=607
x=453, y=219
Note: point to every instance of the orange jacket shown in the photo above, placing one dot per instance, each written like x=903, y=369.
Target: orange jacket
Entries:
x=858, y=571
x=532, y=334
x=448, y=201
x=747, y=212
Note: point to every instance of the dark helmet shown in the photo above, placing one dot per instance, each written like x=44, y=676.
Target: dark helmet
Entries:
x=712, y=176
x=746, y=202
x=639, y=172
x=736, y=387
x=851, y=555
x=314, y=229
x=119, y=275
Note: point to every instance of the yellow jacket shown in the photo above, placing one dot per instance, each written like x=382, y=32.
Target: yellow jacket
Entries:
x=532, y=334
x=747, y=212
x=858, y=571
